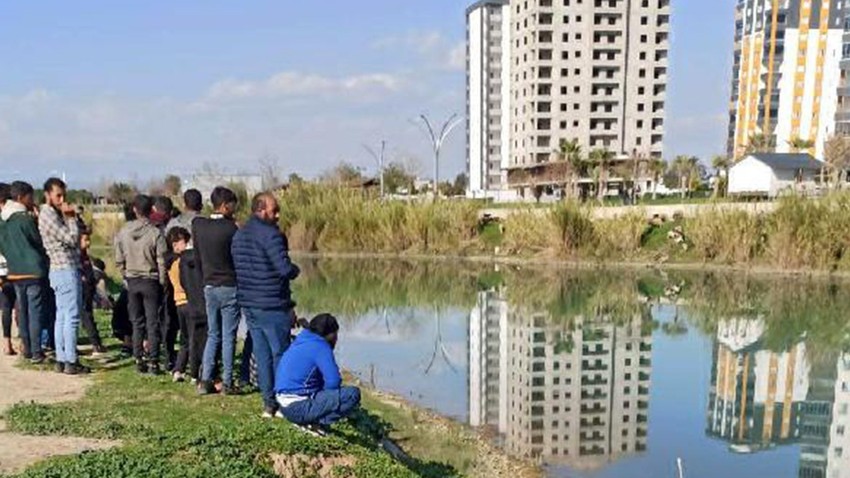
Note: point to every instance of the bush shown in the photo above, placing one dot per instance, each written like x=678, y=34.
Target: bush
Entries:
x=726, y=236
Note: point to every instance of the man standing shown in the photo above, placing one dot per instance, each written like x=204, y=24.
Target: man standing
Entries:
x=212, y=240
x=263, y=272
x=193, y=203
x=7, y=290
x=60, y=233
x=27, y=264
x=140, y=257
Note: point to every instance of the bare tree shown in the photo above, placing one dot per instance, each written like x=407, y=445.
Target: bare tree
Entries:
x=837, y=157
x=269, y=170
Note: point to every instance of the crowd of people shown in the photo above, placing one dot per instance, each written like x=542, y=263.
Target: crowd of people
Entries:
x=188, y=281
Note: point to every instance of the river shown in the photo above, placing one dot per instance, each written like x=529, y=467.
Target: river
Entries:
x=607, y=373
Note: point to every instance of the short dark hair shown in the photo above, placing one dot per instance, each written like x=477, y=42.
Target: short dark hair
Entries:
x=221, y=196
x=163, y=204
x=129, y=213
x=5, y=192
x=54, y=183
x=19, y=189
x=323, y=325
x=259, y=202
x=192, y=200
x=143, y=205
x=177, y=234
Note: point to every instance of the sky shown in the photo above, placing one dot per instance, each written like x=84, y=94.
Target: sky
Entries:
x=104, y=90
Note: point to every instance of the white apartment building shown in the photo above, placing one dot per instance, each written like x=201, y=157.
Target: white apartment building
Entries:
x=594, y=71
x=786, y=73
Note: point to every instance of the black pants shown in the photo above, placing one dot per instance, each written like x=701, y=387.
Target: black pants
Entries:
x=144, y=298
x=87, y=320
x=193, y=339
x=170, y=327
x=7, y=305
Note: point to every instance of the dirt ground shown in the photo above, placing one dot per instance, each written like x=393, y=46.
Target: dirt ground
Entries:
x=18, y=451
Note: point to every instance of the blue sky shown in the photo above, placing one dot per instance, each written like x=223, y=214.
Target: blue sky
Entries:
x=131, y=90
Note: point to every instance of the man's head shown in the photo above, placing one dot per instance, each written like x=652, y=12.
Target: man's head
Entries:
x=264, y=207
x=326, y=326
x=142, y=206
x=5, y=193
x=163, y=205
x=193, y=201
x=23, y=193
x=85, y=236
x=224, y=201
x=54, y=192
x=178, y=238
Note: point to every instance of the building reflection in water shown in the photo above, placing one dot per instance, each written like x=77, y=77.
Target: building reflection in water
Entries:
x=568, y=391
x=761, y=398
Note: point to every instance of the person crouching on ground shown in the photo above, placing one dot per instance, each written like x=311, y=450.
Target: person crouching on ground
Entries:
x=308, y=381
x=263, y=272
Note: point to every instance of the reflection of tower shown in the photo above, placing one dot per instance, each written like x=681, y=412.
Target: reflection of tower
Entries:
x=838, y=459
x=575, y=393
x=756, y=395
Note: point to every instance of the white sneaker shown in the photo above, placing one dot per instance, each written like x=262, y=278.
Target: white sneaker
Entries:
x=311, y=430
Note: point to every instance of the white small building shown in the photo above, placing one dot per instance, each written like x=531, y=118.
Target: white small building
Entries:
x=773, y=174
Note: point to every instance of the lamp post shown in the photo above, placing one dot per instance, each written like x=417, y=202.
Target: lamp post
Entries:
x=379, y=159
x=437, y=140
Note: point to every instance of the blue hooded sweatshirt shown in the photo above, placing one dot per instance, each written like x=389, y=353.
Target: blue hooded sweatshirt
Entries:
x=308, y=366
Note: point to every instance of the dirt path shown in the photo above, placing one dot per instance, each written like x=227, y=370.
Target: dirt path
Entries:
x=18, y=451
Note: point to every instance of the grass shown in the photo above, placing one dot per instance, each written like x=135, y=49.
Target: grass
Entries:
x=167, y=430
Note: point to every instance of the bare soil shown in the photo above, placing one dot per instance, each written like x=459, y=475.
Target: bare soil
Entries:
x=19, y=451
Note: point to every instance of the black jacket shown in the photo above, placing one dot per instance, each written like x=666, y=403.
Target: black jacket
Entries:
x=193, y=282
x=212, y=239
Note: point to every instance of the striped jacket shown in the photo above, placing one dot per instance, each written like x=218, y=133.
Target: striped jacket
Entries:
x=61, y=238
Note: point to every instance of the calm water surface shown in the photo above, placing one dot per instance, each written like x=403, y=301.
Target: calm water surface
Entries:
x=608, y=373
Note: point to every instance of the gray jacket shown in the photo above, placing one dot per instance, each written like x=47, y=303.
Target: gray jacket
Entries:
x=184, y=220
x=140, y=251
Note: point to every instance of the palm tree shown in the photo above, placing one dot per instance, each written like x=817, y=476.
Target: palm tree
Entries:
x=837, y=157
x=686, y=168
x=601, y=159
x=720, y=164
x=799, y=144
x=657, y=168
x=761, y=143
x=570, y=152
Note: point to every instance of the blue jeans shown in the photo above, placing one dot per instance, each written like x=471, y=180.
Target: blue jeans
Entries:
x=222, y=320
x=68, y=290
x=270, y=335
x=324, y=408
x=31, y=310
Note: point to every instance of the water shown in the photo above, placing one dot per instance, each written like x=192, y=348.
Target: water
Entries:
x=608, y=373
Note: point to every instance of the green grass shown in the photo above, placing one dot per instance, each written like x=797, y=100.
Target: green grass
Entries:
x=167, y=430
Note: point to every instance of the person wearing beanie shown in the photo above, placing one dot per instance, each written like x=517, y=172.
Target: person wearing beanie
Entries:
x=308, y=383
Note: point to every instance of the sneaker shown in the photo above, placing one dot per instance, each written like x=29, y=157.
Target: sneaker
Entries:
x=178, y=377
x=206, y=388
x=76, y=369
x=59, y=367
x=230, y=390
x=38, y=359
x=141, y=367
x=269, y=412
x=98, y=351
x=307, y=429
x=153, y=369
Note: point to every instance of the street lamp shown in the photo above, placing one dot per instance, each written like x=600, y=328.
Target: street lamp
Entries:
x=437, y=141
x=379, y=159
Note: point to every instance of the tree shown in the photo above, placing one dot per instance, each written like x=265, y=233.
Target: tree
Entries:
x=687, y=168
x=269, y=170
x=570, y=153
x=396, y=178
x=721, y=165
x=761, y=143
x=172, y=185
x=837, y=157
x=344, y=173
x=657, y=168
x=294, y=178
x=601, y=159
x=121, y=193
x=799, y=144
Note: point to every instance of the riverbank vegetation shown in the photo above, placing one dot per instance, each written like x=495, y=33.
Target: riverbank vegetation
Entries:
x=800, y=233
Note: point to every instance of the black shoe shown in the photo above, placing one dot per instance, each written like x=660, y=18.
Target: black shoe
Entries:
x=38, y=359
x=76, y=369
x=230, y=390
x=141, y=367
x=98, y=350
x=206, y=388
x=59, y=367
x=153, y=369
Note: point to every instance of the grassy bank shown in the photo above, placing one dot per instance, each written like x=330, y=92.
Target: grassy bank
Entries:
x=167, y=430
x=801, y=234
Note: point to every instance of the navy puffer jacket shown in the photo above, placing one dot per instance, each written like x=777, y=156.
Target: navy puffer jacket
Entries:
x=263, y=268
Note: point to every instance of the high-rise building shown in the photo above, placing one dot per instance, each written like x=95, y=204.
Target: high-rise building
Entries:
x=842, y=117
x=590, y=71
x=488, y=93
x=786, y=74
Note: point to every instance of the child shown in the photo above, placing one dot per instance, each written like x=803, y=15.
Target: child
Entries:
x=187, y=280
x=89, y=279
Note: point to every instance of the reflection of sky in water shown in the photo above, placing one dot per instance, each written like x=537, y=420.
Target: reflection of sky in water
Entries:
x=408, y=351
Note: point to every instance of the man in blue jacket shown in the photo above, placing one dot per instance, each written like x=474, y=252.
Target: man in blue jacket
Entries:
x=308, y=382
x=263, y=271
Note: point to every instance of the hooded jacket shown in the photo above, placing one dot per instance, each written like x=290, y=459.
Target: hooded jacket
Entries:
x=263, y=267
x=20, y=243
x=308, y=366
x=192, y=281
x=140, y=251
